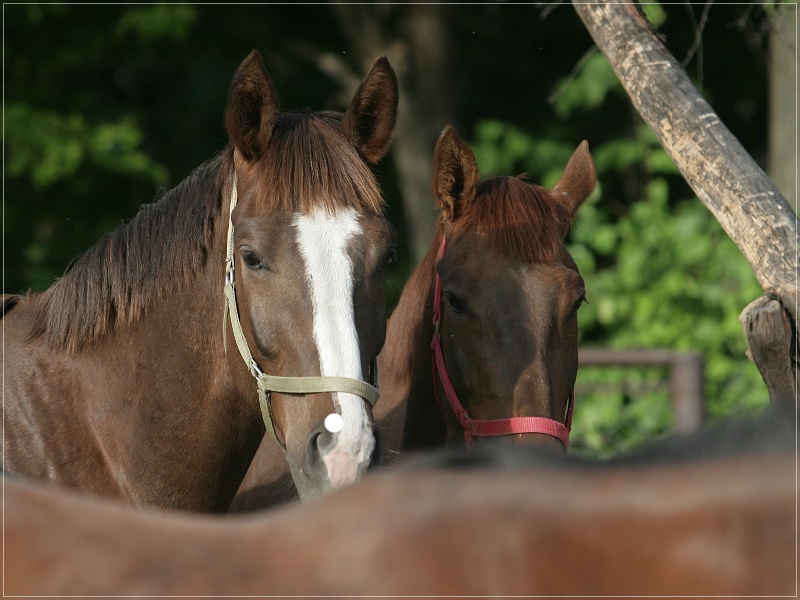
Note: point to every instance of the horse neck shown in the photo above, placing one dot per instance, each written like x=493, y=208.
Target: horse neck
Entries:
x=200, y=386
x=406, y=363
x=188, y=432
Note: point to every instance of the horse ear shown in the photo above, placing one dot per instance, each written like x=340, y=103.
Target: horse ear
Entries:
x=578, y=180
x=252, y=107
x=455, y=174
x=370, y=120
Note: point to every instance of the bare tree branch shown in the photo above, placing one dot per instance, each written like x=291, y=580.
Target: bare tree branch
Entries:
x=548, y=7
x=332, y=65
x=697, y=44
x=553, y=98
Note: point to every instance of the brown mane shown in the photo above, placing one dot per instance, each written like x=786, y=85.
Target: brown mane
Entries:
x=167, y=244
x=309, y=163
x=128, y=270
x=521, y=221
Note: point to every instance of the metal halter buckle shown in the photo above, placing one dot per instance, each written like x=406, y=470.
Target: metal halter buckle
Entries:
x=255, y=370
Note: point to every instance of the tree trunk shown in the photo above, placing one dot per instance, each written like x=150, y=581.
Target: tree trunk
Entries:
x=782, y=160
x=748, y=205
x=425, y=110
x=417, y=46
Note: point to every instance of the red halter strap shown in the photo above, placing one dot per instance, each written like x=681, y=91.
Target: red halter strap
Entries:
x=482, y=427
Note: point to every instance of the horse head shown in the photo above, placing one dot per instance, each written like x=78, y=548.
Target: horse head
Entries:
x=508, y=294
x=308, y=247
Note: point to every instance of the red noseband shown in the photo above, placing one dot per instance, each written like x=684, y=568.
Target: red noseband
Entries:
x=481, y=427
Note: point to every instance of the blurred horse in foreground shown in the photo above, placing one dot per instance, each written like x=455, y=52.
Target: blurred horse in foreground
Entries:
x=711, y=514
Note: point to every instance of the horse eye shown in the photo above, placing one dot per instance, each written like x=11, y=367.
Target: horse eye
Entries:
x=390, y=257
x=578, y=304
x=251, y=260
x=456, y=304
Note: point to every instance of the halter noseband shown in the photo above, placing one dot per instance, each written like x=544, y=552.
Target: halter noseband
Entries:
x=487, y=427
x=270, y=383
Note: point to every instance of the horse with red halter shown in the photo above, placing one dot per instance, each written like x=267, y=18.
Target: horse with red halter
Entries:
x=712, y=514
x=252, y=289
x=484, y=339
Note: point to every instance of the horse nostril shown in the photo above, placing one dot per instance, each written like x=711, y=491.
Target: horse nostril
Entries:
x=325, y=442
x=319, y=443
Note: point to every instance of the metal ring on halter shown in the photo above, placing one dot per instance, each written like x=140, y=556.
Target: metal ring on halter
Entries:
x=255, y=370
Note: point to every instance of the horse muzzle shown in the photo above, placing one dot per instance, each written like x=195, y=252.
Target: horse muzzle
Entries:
x=333, y=459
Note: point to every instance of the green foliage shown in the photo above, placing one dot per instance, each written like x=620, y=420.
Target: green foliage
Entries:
x=158, y=21
x=79, y=157
x=48, y=147
x=665, y=275
x=654, y=12
x=589, y=87
x=619, y=408
x=659, y=270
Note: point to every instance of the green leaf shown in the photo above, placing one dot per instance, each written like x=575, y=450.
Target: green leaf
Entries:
x=589, y=88
x=49, y=147
x=167, y=21
x=654, y=12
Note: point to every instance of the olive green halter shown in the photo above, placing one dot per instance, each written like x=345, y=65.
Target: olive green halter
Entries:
x=270, y=383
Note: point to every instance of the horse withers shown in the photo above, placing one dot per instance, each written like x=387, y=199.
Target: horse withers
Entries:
x=252, y=289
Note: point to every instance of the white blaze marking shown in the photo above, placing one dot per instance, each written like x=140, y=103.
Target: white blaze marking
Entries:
x=323, y=239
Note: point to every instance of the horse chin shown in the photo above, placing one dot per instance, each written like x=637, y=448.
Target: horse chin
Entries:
x=308, y=489
x=540, y=441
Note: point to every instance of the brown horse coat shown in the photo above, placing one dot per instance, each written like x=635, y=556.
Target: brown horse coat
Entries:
x=675, y=521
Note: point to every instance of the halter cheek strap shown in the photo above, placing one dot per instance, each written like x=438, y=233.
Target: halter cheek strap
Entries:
x=487, y=427
x=266, y=384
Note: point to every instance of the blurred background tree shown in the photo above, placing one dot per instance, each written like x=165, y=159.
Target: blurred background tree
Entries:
x=107, y=104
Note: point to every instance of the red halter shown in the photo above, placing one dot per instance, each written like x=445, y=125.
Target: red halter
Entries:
x=492, y=427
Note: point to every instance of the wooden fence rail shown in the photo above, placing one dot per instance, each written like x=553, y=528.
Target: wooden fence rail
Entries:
x=685, y=384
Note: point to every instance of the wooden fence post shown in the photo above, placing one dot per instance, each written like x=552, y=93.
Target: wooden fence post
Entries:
x=686, y=386
x=686, y=378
